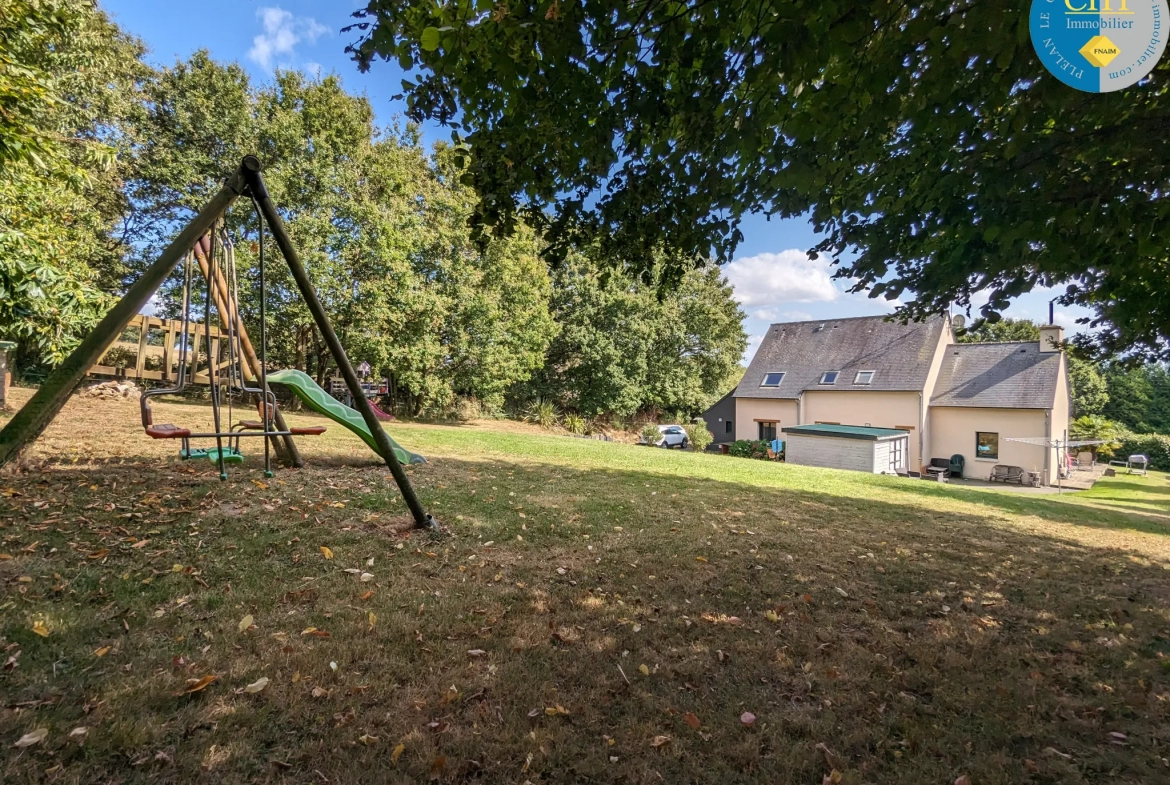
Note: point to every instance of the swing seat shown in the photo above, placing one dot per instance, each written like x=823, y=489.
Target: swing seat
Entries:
x=167, y=431
x=230, y=455
x=256, y=425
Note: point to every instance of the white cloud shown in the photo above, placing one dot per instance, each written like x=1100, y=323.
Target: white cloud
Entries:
x=282, y=33
x=1067, y=321
x=777, y=315
x=787, y=277
x=311, y=67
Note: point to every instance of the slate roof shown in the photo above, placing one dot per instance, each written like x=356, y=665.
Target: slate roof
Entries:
x=1013, y=375
x=865, y=432
x=900, y=354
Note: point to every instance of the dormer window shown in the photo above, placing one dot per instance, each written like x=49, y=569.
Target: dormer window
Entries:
x=864, y=377
x=830, y=377
x=772, y=379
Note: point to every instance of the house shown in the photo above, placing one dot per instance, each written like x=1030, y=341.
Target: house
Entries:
x=720, y=419
x=947, y=398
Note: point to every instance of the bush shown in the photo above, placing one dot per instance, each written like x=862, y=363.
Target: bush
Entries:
x=575, y=423
x=649, y=433
x=1155, y=445
x=699, y=437
x=749, y=448
x=542, y=413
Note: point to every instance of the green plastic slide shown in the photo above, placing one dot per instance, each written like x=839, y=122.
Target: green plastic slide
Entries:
x=322, y=402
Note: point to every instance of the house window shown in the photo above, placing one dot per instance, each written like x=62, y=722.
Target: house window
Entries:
x=897, y=454
x=729, y=427
x=987, y=445
x=767, y=431
x=772, y=379
x=830, y=377
x=864, y=377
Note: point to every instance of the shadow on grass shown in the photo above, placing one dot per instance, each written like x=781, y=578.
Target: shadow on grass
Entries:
x=907, y=642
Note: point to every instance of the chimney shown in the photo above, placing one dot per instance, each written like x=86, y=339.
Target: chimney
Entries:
x=1051, y=338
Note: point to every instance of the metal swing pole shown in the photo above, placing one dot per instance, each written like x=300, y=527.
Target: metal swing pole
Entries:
x=251, y=170
x=32, y=419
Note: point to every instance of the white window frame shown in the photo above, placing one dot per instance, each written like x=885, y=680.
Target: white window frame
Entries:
x=779, y=381
x=836, y=376
x=857, y=378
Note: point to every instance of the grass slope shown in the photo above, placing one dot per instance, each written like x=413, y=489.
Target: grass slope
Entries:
x=596, y=613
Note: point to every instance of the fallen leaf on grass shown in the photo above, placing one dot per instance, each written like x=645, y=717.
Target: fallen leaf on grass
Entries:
x=367, y=577
x=476, y=652
x=40, y=629
x=645, y=670
x=316, y=633
x=437, y=766
x=659, y=741
x=367, y=739
x=140, y=544
x=841, y=591
x=99, y=554
x=257, y=686
x=327, y=552
x=245, y=622
x=832, y=778
x=197, y=685
x=367, y=595
x=78, y=732
x=702, y=559
x=372, y=620
x=394, y=756
x=320, y=692
x=553, y=711
x=692, y=720
x=102, y=652
x=34, y=737
x=747, y=719
x=963, y=780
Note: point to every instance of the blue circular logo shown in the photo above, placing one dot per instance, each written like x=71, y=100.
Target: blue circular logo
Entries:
x=1099, y=45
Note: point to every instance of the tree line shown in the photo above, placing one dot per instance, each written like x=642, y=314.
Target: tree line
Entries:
x=105, y=157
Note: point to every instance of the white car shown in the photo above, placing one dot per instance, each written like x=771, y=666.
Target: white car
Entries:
x=671, y=436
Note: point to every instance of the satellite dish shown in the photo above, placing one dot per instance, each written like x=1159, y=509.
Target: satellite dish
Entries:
x=958, y=321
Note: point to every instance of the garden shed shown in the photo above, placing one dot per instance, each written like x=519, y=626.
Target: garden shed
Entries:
x=856, y=447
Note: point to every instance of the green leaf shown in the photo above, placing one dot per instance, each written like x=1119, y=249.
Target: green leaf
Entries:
x=430, y=39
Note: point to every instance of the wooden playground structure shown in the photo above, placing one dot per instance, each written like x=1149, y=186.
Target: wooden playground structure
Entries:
x=204, y=239
x=163, y=359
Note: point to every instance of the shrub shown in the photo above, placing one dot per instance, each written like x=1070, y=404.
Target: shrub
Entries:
x=749, y=448
x=574, y=423
x=699, y=437
x=1091, y=427
x=649, y=433
x=542, y=413
x=1155, y=445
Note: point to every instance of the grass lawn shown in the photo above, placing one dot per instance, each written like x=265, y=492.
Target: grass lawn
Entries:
x=594, y=613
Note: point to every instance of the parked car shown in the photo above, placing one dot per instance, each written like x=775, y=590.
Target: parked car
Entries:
x=671, y=436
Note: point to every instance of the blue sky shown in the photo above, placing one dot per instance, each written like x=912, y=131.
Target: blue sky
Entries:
x=773, y=278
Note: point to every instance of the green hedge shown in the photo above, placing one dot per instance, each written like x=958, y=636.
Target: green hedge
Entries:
x=1155, y=445
x=749, y=448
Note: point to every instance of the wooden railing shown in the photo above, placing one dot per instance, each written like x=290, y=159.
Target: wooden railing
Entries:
x=198, y=354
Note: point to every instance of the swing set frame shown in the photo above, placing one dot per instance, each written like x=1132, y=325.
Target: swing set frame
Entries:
x=247, y=181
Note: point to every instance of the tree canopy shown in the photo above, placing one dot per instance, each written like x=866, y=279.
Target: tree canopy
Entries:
x=934, y=151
